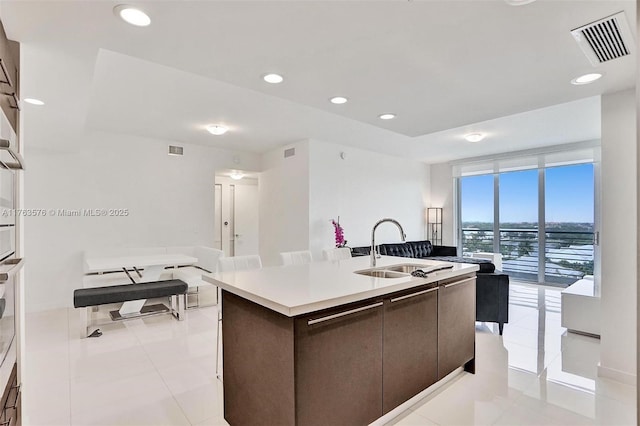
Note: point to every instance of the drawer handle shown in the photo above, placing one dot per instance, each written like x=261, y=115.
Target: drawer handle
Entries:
x=7, y=79
x=342, y=314
x=459, y=282
x=15, y=402
x=408, y=296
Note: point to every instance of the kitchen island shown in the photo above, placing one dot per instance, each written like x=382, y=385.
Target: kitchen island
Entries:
x=339, y=343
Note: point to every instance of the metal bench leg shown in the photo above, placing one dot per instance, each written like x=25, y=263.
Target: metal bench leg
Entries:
x=182, y=304
x=86, y=321
x=85, y=316
x=178, y=303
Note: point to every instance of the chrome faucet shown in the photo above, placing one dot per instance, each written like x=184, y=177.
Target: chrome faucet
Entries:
x=373, y=237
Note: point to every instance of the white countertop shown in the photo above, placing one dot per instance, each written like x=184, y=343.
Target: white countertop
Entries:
x=115, y=263
x=300, y=289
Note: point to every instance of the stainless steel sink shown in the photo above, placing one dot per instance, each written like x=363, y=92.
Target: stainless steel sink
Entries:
x=381, y=273
x=406, y=268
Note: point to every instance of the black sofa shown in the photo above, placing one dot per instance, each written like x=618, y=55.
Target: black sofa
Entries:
x=492, y=288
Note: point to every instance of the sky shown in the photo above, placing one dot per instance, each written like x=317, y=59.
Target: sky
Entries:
x=569, y=195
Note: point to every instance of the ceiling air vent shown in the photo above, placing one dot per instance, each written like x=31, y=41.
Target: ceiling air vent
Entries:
x=604, y=40
x=175, y=150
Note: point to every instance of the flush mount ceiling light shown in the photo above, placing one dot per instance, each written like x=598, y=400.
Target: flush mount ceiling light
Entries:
x=132, y=15
x=387, y=116
x=338, y=100
x=474, y=137
x=216, y=129
x=586, y=79
x=273, y=78
x=518, y=2
x=236, y=175
x=34, y=101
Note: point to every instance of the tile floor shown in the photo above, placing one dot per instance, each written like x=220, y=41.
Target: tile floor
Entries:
x=158, y=371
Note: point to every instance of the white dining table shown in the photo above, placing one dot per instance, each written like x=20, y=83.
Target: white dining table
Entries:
x=149, y=267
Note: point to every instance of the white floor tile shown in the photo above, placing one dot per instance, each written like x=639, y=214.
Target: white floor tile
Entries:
x=200, y=404
x=157, y=371
x=96, y=402
x=186, y=376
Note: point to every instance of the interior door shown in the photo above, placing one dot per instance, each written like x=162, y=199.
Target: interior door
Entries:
x=217, y=243
x=245, y=226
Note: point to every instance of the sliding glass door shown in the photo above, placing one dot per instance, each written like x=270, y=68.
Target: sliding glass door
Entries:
x=519, y=223
x=541, y=220
x=477, y=213
x=569, y=219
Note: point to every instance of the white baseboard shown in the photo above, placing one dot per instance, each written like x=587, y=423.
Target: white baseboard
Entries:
x=617, y=375
x=412, y=401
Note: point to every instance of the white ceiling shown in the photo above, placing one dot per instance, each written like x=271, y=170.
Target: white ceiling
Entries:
x=445, y=67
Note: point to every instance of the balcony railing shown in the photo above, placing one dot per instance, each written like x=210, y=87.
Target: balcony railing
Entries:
x=568, y=255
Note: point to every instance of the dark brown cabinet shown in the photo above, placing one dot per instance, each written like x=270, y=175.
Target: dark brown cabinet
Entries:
x=339, y=366
x=410, y=360
x=11, y=398
x=456, y=325
x=347, y=365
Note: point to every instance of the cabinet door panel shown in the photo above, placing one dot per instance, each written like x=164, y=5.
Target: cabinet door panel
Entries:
x=410, y=346
x=456, y=320
x=339, y=366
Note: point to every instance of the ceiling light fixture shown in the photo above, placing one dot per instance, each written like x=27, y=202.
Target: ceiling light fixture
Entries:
x=518, y=2
x=586, y=79
x=273, y=78
x=387, y=116
x=216, y=129
x=474, y=137
x=132, y=15
x=236, y=175
x=338, y=100
x=34, y=101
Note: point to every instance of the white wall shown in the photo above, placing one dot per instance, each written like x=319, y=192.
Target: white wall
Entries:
x=363, y=188
x=170, y=201
x=300, y=195
x=284, y=202
x=442, y=195
x=619, y=237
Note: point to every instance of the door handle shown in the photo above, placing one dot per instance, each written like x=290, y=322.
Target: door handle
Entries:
x=460, y=282
x=237, y=235
x=342, y=314
x=408, y=296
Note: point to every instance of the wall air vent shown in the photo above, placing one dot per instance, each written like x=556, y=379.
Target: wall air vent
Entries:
x=606, y=39
x=290, y=152
x=175, y=150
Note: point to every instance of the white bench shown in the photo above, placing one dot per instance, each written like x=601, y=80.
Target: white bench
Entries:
x=581, y=307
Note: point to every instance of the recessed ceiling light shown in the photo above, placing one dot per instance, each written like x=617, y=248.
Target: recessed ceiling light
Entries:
x=386, y=116
x=216, y=129
x=132, y=15
x=474, y=137
x=236, y=175
x=518, y=2
x=273, y=78
x=586, y=79
x=33, y=101
x=338, y=100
